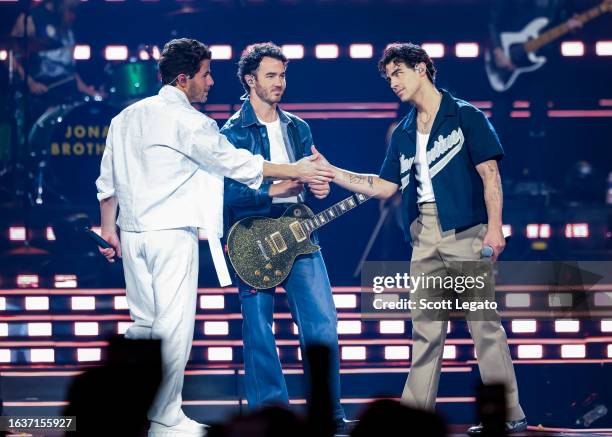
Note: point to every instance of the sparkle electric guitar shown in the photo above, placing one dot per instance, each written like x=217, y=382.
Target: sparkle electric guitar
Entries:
x=262, y=250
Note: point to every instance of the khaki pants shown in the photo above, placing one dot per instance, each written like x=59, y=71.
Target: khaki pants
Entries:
x=432, y=250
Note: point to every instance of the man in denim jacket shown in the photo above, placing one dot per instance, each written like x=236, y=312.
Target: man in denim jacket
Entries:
x=261, y=127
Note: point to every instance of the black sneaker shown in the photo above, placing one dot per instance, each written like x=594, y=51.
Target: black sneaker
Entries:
x=512, y=426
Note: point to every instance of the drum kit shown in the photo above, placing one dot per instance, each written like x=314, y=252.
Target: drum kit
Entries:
x=65, y=144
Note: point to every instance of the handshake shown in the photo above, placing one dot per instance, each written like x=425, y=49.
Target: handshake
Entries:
x=313, y=170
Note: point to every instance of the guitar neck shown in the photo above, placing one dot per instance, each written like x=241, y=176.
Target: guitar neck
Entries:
x=335, y=211
x=560, y=30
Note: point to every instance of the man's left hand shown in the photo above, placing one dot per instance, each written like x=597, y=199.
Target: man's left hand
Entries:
x=320, y=191
x=495, y=238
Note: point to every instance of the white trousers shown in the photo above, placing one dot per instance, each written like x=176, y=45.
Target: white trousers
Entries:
x=161, y=276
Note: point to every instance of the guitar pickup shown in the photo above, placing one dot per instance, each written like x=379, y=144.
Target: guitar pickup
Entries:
x=279, y=242
x=298, y=232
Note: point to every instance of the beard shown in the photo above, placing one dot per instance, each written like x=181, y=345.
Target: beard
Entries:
x=270, y=97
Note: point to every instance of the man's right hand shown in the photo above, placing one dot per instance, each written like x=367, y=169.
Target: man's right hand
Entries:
x=311, y=169
x=113, y=240
x=37, y=87
x=286, y=189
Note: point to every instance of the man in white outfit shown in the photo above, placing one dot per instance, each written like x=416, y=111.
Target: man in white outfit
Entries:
x=163, y=170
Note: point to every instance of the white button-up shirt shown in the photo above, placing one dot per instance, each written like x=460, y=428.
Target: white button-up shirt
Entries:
x=165, y=163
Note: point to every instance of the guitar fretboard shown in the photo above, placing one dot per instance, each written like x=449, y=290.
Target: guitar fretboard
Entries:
x=562, y=29
x=334, y=211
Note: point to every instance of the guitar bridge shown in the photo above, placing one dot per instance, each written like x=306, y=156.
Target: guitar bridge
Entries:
x=263, y=250
x=279, y=242
x=298, y=232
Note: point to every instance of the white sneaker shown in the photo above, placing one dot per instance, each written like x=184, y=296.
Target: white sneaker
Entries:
x=186, y=428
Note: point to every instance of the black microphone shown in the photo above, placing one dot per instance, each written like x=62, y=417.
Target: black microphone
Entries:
x=99, y=240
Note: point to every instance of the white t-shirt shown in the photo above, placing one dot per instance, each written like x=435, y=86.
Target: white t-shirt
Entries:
x=424, y=187
x=278, y=153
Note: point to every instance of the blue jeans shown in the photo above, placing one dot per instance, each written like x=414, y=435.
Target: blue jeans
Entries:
x=313, y=310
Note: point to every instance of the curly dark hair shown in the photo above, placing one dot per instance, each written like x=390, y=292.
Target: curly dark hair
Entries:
x=251, y=58
x=181, y=56
x=408, y=53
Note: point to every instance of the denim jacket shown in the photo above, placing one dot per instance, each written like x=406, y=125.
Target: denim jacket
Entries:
x=245, y=131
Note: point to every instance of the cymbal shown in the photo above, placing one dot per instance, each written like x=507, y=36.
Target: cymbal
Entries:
x=26, y=251
x=184, y=11
x=35, y=44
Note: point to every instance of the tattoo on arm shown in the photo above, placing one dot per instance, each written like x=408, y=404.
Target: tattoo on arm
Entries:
x=356, y=179
x=371, y=181
x=493, y=192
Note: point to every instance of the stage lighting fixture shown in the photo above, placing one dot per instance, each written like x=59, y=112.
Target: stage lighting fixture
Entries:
x=534, y=230
x=37, y=303
x=559, y=300
x=572, y=48
x=349, y=327
x=216, y=328
x=434, y=50
x=361, y=51
x=221, y=52
x=89, y=354
x=577, y=230
x=122, y=327
x=603, y=48
x=86, y=328
x=345, y=300
x=450, y=352
x=120, y=303
x=27, y=281
x=212, y=302
x=49, y=233
x=353, y=353
x=397, y=352
x=507, y=230
x=3, y=329
x=39, y=329
x=567, y=326
x=524, y=326
x=467, y=50
x=527, y=351
x=5, y=355
x=81, y=52
x=65, y=281
x=42, y=355
x=293, y=51
x=17, y=233
x=573, y=351
x=83, y=303
x=327, y=51
x=518, y=300
x=116, y=53
x=220, y=354
x=392, y=327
